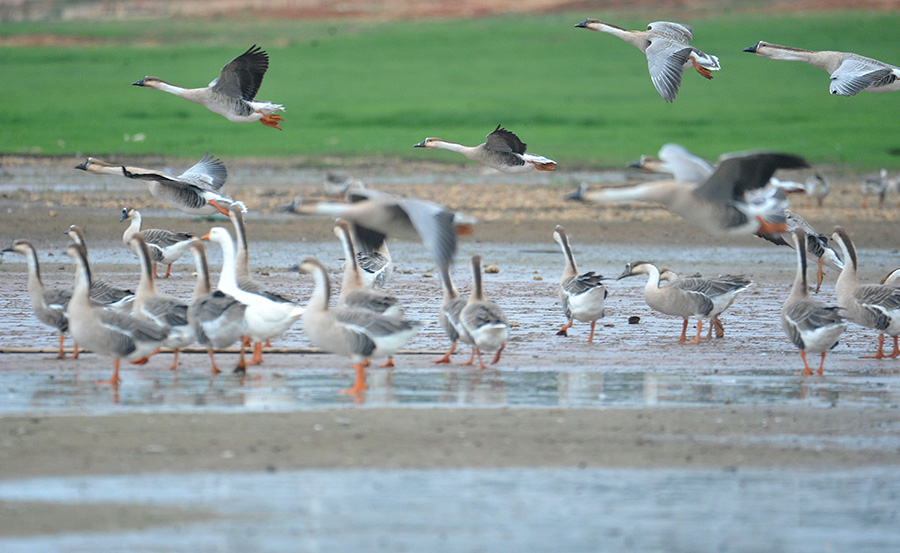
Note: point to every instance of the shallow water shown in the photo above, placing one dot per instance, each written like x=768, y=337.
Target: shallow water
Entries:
x=489, y=510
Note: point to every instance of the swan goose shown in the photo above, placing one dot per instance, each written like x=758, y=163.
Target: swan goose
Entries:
x=874, y=185
x=103, y=293
x=874, y=306
x=670, y=276
x=581, y=295
x=357, y=333
x=817, y=188
x=502, y=150
x=196, y=191
x=216, y=317
x=165, y=246
x=106, y=332
x=666, y=45
x=483, y=319
x=850, y=73
x=242, y=255
x=383, y=215
x=373, y=257
x=268, y=315
x=677, y=161
x=233, y=94
x=164, y=310
x=452, y=305
x=50, y=305
x=687, y=297
x=720, y=205
x=809, y=324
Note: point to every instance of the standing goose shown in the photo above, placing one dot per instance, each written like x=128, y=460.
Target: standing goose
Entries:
x=817, y=248
x=817, y=188
x=719, y=205
x=268, y=315
x=484, y=320
x=809, y=324
x=104, y=331
x=164, y=310
x=103, y=293
x=686, y=297
x=581, y=295
x=357, y=333
x=874, y=185
x=383, y=215
x=668, y=53
x=50, y=305
x=874, y=306
x=196, y=191
x=502, y=150
x=165, y=246
x=696, y=282
x=449, y=318
x=850, y=73
x=233, y=94
x=242, y=255
x=216, y=317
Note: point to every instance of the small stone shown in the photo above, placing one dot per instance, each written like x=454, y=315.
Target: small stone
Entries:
x=492, y=269
x=633, y=320
x=538, y=277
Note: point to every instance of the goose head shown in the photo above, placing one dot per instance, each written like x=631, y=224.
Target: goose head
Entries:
x=589, y=23
x=430, y=142
x=149, y=82
x=637, y=268
x=129, y=213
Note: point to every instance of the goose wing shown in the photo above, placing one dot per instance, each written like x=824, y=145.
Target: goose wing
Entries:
x=582, y=283
x=666, y=60
x=855, y=75
x=434, y=224
x=242, y=76
x=737, y=174
x=208, y=174
x=164, y=238
x=502, y=140
x=680, y=30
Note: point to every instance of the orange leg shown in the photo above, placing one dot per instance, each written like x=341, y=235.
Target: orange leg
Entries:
x=168, y=271
x=683, y=332
x=696, y=339
x=720, y=328
x=896, y=351
x=480, y=362
x=221, y=209
x=359, y=384
x=545, y=166
x=702, y=70
x=143, y=360
x=497, y=357
x=76, y=352
x=257, y=354
x=822, y=365
x=389, y=363
x=114, y=379
x=212, y=359
x=174, y=364
x=564, y=329
x=62, y=352
x=241, y=367
x=271, y=120
x=880, y=353
x=768, y=227
x=806, y=370
x=591, y=337
x=446, y=357
x=471, y=360
x=155, y=274
x=820, y=275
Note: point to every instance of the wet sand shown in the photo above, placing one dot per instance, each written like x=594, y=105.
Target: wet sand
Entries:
x=40, y=200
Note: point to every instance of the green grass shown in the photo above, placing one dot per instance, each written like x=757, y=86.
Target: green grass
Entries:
x=355, y=88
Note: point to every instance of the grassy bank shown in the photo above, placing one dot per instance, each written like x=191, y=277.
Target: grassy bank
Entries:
x=354, y=88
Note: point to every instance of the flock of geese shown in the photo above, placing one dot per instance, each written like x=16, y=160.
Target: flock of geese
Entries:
x=737, y=195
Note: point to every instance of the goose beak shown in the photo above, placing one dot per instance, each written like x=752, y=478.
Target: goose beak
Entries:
x=124, y=216
x=583, y=24
x=420, y=145
x=751, y=49
x=636, y=164
x=82, y=165
x=138, y=83
x=205, y=237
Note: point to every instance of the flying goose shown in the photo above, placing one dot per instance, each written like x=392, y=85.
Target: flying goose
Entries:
x=357, y=333
x=668, y=53
x=502, y=150
x=677, y=161
x=233, y=94
x=817, y=188
x=103, y=293
x=809, y=324
x=722, y=205
x=216, y=317
x=196, y=191
x=106, y=332
x=337, y=184
x=874, y=306
x=268, y=315
x=817, y=248
x=50, y=305
x=383, y=215
x=484, y=320
x=686, y=297
x=165, y=246
x=166, y=311
x=581, y=295
x=452, y=305
x=850, y=73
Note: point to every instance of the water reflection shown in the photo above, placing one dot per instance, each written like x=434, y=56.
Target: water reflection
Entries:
x=450, y=387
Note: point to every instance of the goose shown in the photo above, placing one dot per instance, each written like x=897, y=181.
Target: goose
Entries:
x=722, y=204
x=383, y=215
x=216, y=317
x=850, y=73
x=502, y=150
x=709, y=286
x=892, y=278
x=166, y=311
x=677, y=161
x=668, y=53
x=452, y=305
x=373, y=257
x=196, y=191
x=106, y=332
x=874, y=185
x=484, y=320
x=874, y=306
x=817, y=188
x=581, y=295
x=268, y=315
x=339, y=184
x=242, y=255
x=357, y=333
x=103, y=293
x=686, y=298
x=809, y=324
x=817, y=248
x=165, y=246
x=233, y=94
x=50, y=305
